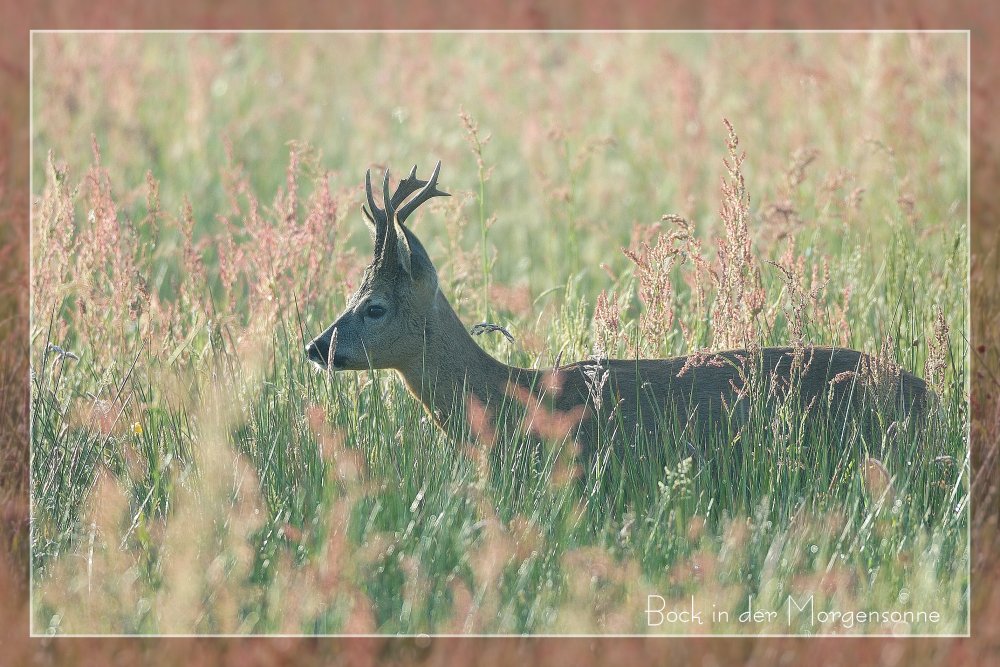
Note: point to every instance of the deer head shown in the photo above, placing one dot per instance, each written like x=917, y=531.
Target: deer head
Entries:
x=384, y=323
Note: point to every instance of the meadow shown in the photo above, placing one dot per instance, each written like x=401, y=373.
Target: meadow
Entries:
x=196, y=219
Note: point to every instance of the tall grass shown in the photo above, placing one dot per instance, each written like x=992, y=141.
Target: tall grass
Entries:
x=192, y=474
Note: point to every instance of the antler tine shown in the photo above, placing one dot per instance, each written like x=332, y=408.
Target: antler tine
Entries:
x=386, y=199
x=429, y=190
x=406, y=188
x=378, y=215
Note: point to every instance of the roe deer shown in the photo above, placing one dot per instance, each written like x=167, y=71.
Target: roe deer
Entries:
x=399, y=319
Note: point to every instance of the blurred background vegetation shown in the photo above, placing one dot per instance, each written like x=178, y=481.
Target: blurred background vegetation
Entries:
x=590, y=138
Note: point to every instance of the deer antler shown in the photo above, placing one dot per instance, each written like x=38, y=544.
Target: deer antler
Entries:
x=406, y=187
x=385, y=233
x=375, y=215
x=428, y=190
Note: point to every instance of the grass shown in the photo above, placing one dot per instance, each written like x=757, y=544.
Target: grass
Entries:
x=192, y=474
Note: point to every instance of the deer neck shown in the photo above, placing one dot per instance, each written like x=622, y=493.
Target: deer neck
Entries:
x=453, y=368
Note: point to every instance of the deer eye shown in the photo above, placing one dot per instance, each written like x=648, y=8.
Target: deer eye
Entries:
x=374, y=311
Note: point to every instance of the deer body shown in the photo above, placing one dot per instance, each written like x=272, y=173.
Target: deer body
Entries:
x=399, y=319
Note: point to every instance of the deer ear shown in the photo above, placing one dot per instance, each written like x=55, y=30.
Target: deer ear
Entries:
x=370, y=222
x=403, y=250
x=412, y=256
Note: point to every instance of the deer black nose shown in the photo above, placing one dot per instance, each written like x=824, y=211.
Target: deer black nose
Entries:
x=316, y=352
